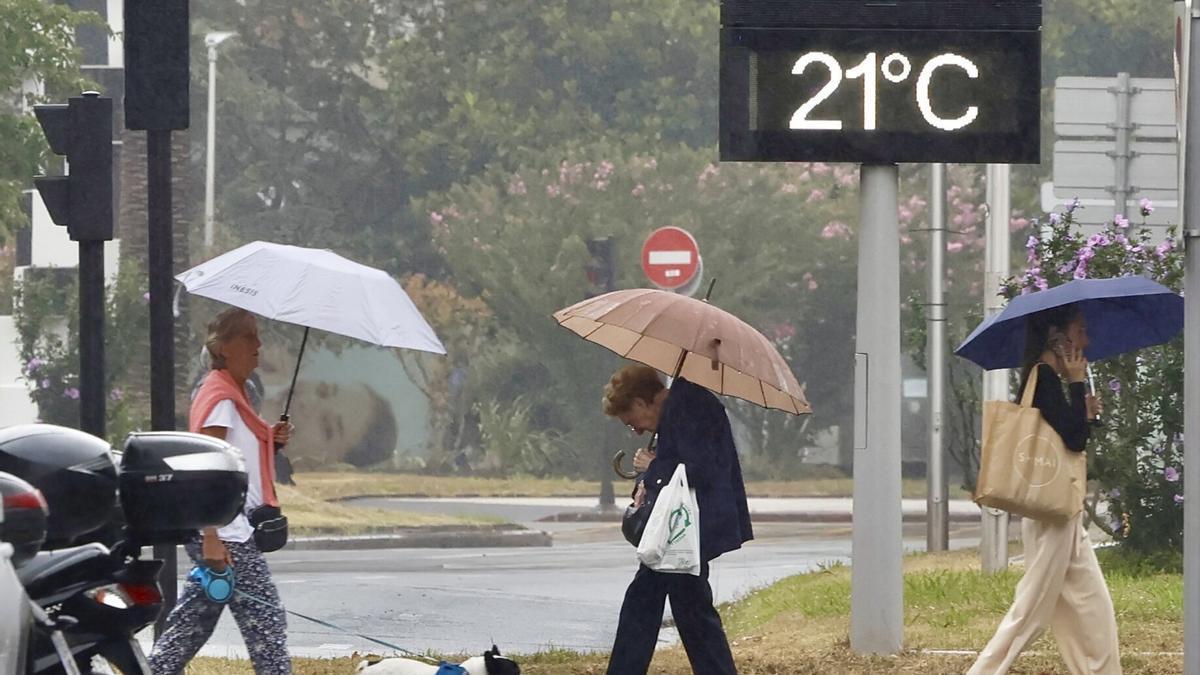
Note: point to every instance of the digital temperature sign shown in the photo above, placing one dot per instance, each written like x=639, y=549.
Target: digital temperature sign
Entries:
x=880, y=95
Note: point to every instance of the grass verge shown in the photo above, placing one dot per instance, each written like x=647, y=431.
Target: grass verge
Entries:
x=800, y=626
x=308, y=514
x=335, y=485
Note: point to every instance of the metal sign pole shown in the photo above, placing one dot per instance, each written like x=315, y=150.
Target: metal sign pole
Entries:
x=876, y=576
x=993, y=545
x=1191, y=354
x=937, y=519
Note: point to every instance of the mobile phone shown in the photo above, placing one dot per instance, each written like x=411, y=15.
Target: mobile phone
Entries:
x=1058, y=343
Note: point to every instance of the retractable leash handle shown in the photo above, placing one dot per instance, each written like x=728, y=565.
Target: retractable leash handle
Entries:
x=218, y=586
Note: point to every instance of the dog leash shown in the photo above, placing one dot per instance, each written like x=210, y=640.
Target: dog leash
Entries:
x=336, y=627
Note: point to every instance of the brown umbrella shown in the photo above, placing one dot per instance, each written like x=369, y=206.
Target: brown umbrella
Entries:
x=718, y=350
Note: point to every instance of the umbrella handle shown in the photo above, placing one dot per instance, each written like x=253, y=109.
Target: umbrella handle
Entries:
x=616, y=464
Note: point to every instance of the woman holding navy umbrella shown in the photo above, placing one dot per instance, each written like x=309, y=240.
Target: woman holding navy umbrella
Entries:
x=1048, y=333
x=1063, y=586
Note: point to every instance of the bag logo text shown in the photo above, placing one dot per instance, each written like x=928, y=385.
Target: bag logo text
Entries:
x=1036, y=461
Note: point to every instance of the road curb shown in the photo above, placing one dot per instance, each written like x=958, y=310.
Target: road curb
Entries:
x=450, y=536
x=794, y=517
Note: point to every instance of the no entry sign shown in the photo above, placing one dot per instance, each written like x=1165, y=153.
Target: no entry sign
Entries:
x=670, y=257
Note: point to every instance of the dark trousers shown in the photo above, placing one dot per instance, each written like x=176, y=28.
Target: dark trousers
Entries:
x=697, y=620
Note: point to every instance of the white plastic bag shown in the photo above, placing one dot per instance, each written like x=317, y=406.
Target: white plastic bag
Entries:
x=671, y=540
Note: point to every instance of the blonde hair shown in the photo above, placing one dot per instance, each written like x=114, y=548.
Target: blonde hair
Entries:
x=631, y=382
x=223, y=328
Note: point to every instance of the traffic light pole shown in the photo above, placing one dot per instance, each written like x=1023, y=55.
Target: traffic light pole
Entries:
x=82, y=200
x=91, y=338
x=162, y=328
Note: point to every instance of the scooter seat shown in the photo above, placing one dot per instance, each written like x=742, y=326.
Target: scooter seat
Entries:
x=50, y=572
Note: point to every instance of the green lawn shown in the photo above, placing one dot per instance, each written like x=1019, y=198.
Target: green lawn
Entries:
x=335, y=485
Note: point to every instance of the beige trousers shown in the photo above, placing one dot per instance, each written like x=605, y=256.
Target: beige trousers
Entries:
x=1062, y=587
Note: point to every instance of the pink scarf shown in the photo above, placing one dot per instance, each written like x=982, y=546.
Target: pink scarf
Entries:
x=218, y=386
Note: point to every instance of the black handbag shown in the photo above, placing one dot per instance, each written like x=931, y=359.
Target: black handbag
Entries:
x=270, y=528
x=633, y=522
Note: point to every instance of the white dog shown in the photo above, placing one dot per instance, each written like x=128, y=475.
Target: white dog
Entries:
x=491, y=663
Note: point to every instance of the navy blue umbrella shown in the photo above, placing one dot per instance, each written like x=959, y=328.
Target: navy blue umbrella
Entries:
x=1122, y=314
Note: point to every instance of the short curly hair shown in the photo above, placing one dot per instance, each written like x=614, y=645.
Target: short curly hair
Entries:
x=631, y=382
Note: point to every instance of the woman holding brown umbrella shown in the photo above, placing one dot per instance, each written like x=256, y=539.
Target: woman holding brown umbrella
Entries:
x=707, y=350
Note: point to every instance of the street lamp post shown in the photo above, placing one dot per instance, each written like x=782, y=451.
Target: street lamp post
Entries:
x=212, y=41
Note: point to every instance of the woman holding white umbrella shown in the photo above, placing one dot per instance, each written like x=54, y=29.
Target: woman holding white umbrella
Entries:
x=222, y=409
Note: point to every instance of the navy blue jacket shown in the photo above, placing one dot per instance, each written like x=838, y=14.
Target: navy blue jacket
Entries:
x=693, y=429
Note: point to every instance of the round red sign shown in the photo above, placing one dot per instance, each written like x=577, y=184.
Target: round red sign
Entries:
x=670, y=257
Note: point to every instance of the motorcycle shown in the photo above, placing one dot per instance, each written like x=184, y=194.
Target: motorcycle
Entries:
x=97, y=595
x=100, y=599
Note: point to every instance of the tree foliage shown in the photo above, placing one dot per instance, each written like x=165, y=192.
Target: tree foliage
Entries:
x=518, y=238
x=37, y=53
x=47, y=322
x=1136, y=456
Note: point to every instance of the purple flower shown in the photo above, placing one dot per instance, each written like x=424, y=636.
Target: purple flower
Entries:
x=1099, y=239
x=1031, y=243
x=116, y=394
x=1086, y=253
x=1146, y=206
x=146, y=296
x=1081, y=271
x=1114, y=385
x=1171, y=474
x=1161, y=249
x=33, y=364
x=1114, y=493
x=1178, y=499
x=1055, y=219
x=1120, y=221
x=71, y=392
x=1158, y=450
x=45, y=384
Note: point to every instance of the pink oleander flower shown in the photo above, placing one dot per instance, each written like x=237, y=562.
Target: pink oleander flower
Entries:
x=1146, y=206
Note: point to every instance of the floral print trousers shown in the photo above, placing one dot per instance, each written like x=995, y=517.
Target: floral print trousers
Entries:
x=191, y=622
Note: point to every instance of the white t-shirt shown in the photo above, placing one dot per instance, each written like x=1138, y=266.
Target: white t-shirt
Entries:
x=238, y=435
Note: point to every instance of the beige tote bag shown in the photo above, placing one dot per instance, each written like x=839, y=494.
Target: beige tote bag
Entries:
x=1024, y=468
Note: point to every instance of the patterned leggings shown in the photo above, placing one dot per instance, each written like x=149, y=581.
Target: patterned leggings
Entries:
x=193, y=619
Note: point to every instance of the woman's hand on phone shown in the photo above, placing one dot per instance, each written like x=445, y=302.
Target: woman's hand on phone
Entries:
x=1073, y=363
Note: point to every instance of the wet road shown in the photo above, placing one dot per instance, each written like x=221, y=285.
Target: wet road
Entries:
x=523, y=599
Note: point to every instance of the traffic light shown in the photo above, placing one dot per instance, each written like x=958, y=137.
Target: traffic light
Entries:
x=82, y=200
x=602, y=268
x=156, y=65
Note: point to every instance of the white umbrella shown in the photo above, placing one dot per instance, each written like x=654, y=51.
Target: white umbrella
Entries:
x=316, y=289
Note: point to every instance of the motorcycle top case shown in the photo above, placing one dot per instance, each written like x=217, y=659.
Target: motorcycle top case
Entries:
x=174, y=483
x=76, y=473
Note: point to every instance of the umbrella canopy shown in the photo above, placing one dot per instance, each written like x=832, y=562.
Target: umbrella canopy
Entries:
x=315, y=289
x=1122, y=314
x=719, y=351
